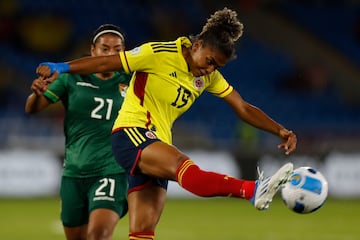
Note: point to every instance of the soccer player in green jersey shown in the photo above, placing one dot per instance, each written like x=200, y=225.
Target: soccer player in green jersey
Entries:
x=168, y=78
x=93, y=186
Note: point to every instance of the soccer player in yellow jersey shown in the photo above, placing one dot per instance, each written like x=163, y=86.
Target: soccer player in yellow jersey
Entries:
x=168, y=78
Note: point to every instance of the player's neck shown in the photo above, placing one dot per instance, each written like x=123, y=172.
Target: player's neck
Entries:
x=105, y=76
x=186, y=54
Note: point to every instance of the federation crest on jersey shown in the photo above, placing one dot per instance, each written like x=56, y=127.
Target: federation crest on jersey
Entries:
x=198, y=83
x=150, y=134
x=122, y=89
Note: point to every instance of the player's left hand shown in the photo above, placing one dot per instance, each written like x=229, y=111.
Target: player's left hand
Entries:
x=289, y=141
x=38, y=86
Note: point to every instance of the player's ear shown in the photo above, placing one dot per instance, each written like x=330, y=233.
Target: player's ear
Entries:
x=92, y=50
x=197, y=44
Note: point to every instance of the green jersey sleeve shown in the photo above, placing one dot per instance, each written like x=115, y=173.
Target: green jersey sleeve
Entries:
x=57, y=89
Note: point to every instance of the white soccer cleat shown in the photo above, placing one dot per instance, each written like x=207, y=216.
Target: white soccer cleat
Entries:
x=266, y=188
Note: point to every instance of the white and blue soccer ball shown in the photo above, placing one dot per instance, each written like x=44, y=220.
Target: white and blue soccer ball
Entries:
x=306, y=191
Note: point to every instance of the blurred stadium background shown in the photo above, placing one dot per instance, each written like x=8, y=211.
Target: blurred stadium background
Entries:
x=298, y=61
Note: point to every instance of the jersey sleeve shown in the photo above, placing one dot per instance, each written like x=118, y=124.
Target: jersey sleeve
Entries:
x=218, y=85
x=57, y=88
x=140, y=59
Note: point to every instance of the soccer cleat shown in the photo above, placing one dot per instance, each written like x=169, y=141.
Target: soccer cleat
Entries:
x=266, y=188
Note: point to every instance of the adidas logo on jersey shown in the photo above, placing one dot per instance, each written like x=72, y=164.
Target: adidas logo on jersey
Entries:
x=173, y=74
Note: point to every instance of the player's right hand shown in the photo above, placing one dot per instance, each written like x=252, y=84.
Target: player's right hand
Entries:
x=61, y=67
x=46, y=73
x=50, y=70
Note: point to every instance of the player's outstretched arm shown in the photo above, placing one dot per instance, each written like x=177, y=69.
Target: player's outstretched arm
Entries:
x=261, y=120
x=85, y=65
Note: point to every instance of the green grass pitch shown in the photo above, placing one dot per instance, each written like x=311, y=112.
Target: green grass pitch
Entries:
x=210, y=219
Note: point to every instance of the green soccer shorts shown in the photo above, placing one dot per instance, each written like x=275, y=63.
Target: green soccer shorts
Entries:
x=79, y=196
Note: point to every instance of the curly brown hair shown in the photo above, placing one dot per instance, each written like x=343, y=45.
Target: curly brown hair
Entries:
x=221, y=31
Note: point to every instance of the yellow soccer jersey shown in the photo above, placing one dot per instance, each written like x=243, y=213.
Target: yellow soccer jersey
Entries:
x=162, y=88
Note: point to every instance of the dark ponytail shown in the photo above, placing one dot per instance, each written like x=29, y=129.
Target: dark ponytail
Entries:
x=221, y=31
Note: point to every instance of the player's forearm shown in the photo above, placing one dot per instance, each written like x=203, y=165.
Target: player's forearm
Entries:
x=35, y=103
x=88, y=65
x=259, y=119
x=252, y=114
x=85, y=65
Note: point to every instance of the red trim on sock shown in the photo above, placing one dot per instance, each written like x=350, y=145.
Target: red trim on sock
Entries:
x=142, y=235
x=211, y=184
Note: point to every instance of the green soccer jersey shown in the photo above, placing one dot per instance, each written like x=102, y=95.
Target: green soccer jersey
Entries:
x=91, y=106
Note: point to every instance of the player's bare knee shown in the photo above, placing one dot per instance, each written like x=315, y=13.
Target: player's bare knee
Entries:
x=99, y=234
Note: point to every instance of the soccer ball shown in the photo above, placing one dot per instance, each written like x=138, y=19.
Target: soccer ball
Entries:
x=306, y=191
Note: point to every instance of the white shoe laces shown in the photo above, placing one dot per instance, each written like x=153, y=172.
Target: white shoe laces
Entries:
x=263, y=182
x=260, y=173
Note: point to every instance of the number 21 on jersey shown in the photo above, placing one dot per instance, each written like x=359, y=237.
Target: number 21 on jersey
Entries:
x=102, y=103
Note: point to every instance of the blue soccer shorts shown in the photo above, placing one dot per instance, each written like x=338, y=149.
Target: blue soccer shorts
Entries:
x=127, y=144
